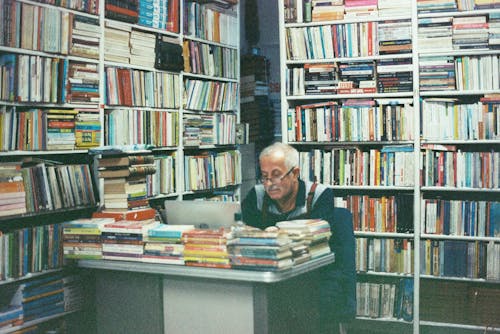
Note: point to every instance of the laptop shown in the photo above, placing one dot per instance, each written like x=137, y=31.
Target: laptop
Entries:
x=201, y=214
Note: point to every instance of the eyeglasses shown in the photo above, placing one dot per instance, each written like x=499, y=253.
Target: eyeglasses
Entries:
x=275, y=179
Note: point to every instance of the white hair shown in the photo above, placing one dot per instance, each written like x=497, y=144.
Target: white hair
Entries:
x=290, y=153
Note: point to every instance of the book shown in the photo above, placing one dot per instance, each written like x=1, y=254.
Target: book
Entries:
x=132, y=214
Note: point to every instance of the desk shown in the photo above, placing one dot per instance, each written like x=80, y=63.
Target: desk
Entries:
x=154, y=298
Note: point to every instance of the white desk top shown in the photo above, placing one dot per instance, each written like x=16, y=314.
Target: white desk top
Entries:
x=213, y=273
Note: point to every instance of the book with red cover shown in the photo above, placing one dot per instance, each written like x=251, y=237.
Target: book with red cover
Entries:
x=135, y=214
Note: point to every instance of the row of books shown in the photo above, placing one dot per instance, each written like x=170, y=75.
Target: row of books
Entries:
x=360, y=39
x=210, y=95
x=384, y=255
x=459, y=73
x=298, y=11
x=30, y=250
x=49, y=295
x=32, y=78
x=351, y=120
x=130, y=87
x=459, y=217
x=459, y=258
x=389, y=166
x=456, y=120
x=452, y=167
x=211, y=170
x=385, y=300
x=56, y=31
x=87, y=6
x=383, y=76
x=211, y=22
x=478, y=32
x=391, y=214
x=48, y=129
x=36, y=186
x=211, y=60
x=205, y=129
x=426, y=6
x=164, y=15
x=159, y=128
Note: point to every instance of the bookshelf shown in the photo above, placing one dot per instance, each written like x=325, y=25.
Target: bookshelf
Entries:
x=394, y=104
x=87, y=75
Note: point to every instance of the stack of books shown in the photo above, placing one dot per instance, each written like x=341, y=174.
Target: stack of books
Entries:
x=85, y=36
x=125, y=11
x=163, y=244
x=435, y=33
x=437, y=73
x=87, y=128
x=206, y=248
x=82, y=238
x=41, y=297
x=83, y=83
x=391, y=8
x=354, y=8
x=125, y=178
x=321, y=78
x=394, y=75
x=494, y=31
x=61, y=129
x=142, y=48
x=470, y=32
x=314, y=232
x=153, y=14
x=117, y=48
x=12, y=191
x=255, y=249
x=11, y=316
x=124, y=239
x=327, y=10
x=357, y=78
x=394, y=37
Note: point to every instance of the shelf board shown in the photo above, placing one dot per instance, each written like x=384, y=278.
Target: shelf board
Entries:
x=344, y=96
x=457, y=93
x=457, y=237
x=29, y=276
x=201, y=40
x=384, y=235
x=359, y=19
x=486, y=329
x=34, y=322
x=459, y=279
x=345, y=59
x=143, y=28
x=461, y=189
x=208, y=77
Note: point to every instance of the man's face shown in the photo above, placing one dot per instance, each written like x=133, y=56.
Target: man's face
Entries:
x=277, y=179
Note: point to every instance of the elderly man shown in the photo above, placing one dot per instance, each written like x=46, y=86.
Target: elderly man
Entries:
x=282, y=195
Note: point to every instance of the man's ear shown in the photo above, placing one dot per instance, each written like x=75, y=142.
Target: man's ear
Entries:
x=296, y=172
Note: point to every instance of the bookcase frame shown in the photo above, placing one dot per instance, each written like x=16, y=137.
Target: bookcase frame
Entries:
x=418, y=191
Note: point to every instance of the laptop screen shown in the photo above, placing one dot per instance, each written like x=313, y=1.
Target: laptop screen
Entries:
x=201, y=214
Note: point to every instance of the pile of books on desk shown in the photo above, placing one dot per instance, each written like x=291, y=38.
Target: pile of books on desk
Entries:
x=134, y=235
x=311, y=234
x=255, y=249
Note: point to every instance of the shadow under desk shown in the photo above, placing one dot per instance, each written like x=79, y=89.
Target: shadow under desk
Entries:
x=135, y=297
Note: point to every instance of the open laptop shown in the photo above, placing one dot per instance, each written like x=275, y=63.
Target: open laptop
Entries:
x=201, y=214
